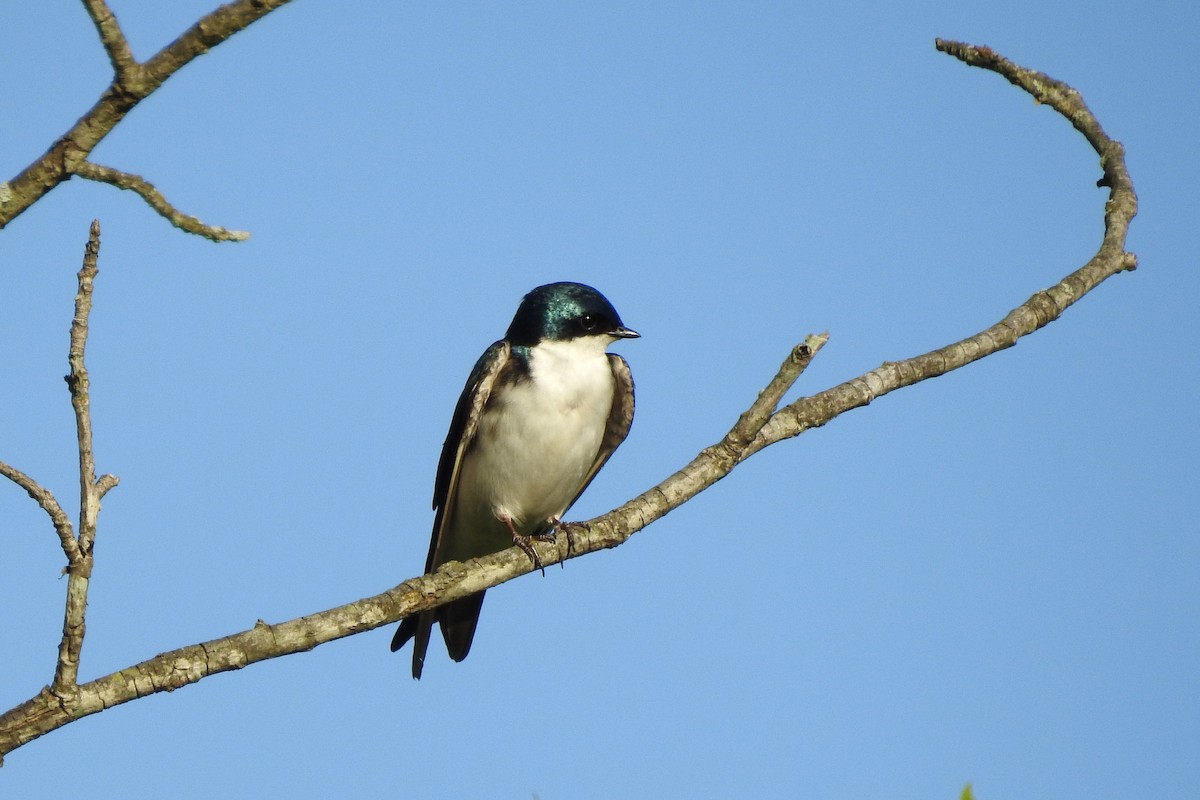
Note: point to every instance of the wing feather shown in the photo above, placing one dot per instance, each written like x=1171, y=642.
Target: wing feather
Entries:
x=464, y=425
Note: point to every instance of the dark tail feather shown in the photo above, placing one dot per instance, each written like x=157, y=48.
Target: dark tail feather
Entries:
x=407, y=629
x=416, y=626
x=458, y=621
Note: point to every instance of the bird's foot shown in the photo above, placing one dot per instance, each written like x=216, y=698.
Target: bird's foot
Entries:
x=551, y=536
x=557, y=525
x=526, y=544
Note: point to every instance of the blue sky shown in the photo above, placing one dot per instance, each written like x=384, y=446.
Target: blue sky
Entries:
x=990, y=577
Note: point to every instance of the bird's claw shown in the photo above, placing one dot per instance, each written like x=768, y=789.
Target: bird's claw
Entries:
x=551, y=536
x=559, y=525
x=526, y=545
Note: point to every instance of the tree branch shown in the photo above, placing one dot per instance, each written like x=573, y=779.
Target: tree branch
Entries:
x=124, y=65
x=147, y=191
x=1039, y=310
x=66, y=672
x=132, y=83
x=751, y=422
x=177, y=668
x=90, y=489
x=760, y=426
x=45, y=499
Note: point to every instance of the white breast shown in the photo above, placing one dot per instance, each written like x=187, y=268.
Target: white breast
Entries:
x=538, y=439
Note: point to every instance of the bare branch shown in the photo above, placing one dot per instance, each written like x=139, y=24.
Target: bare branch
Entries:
x=52, y=708
x=1122, y=202
x=124, y=65
x=1040, y=309
x=147, y=191
x=129, y=87
x=90, y=490
x=45, y=499
x=764, y=407
x=80, y=387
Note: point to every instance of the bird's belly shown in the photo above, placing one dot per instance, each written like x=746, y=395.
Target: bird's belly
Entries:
x=533, y=451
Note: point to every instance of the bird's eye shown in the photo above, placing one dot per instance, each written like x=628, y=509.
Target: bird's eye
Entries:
x=588, y=322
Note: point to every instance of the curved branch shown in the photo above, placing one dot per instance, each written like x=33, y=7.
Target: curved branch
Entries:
x=45, y=499
x=760, y=426
x=155, y=199
x=1039, y=310
x=132, y=83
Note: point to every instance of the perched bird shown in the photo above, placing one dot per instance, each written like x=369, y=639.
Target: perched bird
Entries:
x=541, y=413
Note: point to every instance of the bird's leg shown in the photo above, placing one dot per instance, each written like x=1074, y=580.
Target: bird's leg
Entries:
x=524, y=542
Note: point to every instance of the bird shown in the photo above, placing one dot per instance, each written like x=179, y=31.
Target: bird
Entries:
x=542, y=411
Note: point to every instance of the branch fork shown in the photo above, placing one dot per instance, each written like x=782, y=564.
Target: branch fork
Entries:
x=76, y=547
x=132, y=82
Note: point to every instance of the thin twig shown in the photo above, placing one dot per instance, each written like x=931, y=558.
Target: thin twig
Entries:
x=156, y=200
x=66, y=673
x=45, y=499
x=125, y=66
x=80, y=387
x=1122, y=204
x=1042, y=308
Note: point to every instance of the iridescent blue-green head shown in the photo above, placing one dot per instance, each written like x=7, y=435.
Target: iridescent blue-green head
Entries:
x=565, y=311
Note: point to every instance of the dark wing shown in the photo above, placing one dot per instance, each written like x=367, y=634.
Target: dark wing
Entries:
x=620, y=418
x=463, y=427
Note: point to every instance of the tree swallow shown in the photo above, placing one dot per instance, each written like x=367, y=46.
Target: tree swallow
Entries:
x=541, y=413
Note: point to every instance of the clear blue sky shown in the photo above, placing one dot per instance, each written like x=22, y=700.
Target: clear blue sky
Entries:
x=991, y=577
